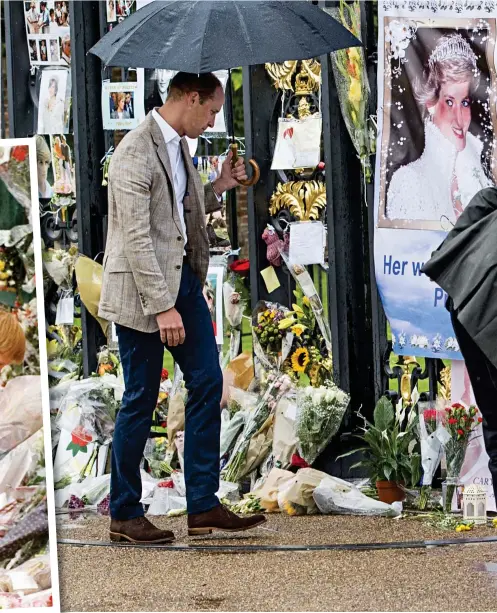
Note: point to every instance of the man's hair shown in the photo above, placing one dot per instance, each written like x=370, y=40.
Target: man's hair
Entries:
x=186, y=83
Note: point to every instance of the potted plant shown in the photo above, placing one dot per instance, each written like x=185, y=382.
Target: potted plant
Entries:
x=390, y=450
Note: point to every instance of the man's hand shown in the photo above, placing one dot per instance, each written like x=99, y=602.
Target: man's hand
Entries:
x=171, y=327
x=230, y=176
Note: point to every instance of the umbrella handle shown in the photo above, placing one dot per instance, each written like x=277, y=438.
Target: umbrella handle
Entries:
x=256, y=171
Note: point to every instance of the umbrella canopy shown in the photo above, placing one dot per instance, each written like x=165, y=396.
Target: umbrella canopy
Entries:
x=200, y=36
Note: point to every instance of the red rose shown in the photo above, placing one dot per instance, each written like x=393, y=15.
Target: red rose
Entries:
x=460, y=432
x=321, y=166
x=19, y=153
x=457, y=406
x=164, y=375
x=168, y=483
x=480, y=419
x=452, y=421
x=81, y=437
x=163, y=424
x=430, y=414
x=240, y=267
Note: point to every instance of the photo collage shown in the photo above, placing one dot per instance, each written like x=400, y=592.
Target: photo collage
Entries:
x=47, y=26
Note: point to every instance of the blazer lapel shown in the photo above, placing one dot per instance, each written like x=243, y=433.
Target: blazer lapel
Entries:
x=163, y=155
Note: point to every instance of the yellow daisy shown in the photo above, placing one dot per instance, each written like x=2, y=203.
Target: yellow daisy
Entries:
x=300, y=359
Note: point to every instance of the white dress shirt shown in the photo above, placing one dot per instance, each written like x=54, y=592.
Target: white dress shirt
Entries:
x=172, y=139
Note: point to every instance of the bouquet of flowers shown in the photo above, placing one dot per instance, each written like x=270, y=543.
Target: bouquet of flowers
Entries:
x=108, y=363
x=65, y=361
x=320, y=412
x=278, y=386
x=349, y=68
x=431, y=436
x=459, y=422
x=272, y=344
x=60, y=264
x=309, y=353
x=155, y=454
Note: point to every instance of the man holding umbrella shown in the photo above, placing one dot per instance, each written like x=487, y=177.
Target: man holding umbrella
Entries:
x=155, y=265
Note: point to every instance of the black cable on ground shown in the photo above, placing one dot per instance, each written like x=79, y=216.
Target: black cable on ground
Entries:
x=288, y=548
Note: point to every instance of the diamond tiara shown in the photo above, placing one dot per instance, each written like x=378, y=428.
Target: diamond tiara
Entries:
x=451, y=47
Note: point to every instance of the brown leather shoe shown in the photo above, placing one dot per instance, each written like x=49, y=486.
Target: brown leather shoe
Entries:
x=221, y=518
x=138, y=530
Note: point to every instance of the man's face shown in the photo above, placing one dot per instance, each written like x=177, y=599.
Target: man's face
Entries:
x=128, y=98
x=66, y=48
x=199, y=117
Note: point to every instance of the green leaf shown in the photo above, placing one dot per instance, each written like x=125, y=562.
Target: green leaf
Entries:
x=384, y=415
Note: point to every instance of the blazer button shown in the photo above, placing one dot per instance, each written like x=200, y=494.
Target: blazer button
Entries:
x=180, y=238
x=178, y=267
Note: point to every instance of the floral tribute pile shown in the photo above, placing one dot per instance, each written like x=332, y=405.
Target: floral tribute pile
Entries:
x=25, y=574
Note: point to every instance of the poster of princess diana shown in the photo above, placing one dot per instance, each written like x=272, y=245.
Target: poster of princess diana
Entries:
x=436, y=121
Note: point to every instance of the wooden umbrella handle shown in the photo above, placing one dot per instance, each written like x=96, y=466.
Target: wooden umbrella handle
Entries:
x=256, y=171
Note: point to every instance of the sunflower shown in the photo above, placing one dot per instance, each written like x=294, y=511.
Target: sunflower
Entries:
x=300, y=359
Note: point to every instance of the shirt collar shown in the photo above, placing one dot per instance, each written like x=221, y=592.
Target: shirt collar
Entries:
x=169, y=133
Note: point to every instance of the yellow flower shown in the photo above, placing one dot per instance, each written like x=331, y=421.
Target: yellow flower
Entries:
x=353, y=54
x=2, y=265
x=298, y=329
x=355, y=93
x=289, y=508
x=463, y=528
x=300, y=359
x=494, y=522
x=306, y=301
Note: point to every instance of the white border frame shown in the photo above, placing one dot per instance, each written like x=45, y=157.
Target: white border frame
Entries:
x=40, y=306
x=218, y=272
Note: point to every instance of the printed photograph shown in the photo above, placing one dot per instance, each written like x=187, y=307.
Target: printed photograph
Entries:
x=63, y=163
x=439, y=121
x=47, y=17
x=111, y=11
x=43, y=50
x=53, y=117
x=33, y=50
x=28, y=562
x=124, y=8
x=121, y=105
x=45, y=167
x=213, y=293
x=54, y=51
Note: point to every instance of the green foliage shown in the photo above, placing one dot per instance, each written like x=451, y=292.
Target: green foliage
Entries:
x=390, y=450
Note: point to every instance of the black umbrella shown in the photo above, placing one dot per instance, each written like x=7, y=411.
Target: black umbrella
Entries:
x=199, y=36
x=206, y=35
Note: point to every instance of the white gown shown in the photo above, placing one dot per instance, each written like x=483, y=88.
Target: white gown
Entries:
x=421, y=190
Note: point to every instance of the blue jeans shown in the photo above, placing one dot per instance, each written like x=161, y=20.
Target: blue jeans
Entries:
x=142, y=356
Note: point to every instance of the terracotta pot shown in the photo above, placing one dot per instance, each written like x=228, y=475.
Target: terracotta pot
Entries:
x=389, y=491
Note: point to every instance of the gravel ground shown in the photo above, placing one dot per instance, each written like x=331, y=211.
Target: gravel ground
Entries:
x=439, y=579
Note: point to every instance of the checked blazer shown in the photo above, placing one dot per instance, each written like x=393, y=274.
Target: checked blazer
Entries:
x=145, y=246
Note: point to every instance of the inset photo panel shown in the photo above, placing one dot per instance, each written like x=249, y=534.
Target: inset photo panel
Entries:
x=28, y=556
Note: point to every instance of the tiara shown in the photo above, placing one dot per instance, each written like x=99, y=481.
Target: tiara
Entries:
x=451, y=47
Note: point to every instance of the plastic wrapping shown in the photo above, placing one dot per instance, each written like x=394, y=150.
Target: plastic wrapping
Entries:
x=431, y=439
x=234, y=307
x=89, y=405
x=284, y=435
x=20, y=411
x=271, y=345
x=257, y=418
x=295, y=495
x=89, y=276
x=21, y=461
x=232, y=430
x=320, y=412
x=336, y=496
x=268, y=491
x=155, y=453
